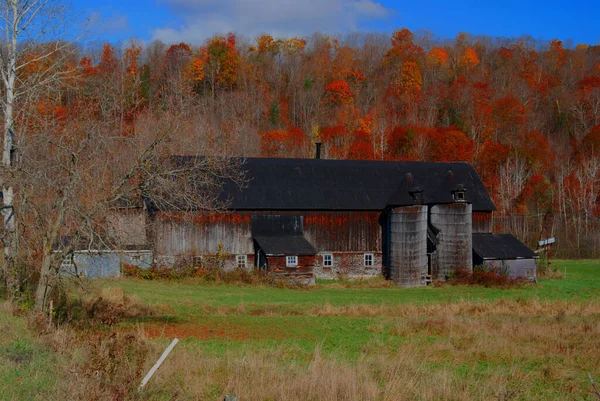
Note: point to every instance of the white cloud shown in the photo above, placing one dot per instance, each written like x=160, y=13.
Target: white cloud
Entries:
x=281, y=18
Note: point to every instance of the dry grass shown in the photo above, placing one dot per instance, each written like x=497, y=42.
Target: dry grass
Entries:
x=503, y=350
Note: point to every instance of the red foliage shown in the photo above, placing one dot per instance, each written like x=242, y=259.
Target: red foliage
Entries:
x=338, y=92
x=362, y=147
x=508, y=114
x=490, y=157
x=450, y=145
x=282, y=143
x=536, y=152
x=590, y=144
x=538, y=192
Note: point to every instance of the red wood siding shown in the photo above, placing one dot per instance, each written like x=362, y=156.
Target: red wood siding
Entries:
x=482, y=222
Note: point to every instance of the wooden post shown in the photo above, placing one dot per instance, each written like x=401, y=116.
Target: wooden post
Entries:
x=158, y=363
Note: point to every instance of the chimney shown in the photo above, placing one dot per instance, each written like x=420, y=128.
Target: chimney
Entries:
x=318, y=154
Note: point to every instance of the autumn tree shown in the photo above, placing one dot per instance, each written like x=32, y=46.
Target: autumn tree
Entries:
x=32, y=32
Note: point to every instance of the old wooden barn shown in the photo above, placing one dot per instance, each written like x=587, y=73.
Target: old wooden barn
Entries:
x=412, y=222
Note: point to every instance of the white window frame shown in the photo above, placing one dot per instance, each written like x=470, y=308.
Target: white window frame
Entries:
x=241, y=261
x=328, y=263
x=291, y=261
x=369, y=260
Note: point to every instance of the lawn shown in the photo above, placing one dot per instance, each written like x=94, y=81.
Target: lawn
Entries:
x=27, y=368
x=350, y=341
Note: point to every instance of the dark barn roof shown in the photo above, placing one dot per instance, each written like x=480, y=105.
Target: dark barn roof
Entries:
x=281, y=235
x=286, y=245
x=500, y=246
x=316, y=184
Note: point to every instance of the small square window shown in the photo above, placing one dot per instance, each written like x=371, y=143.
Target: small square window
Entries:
x=368, y=259
x=241, y=261
x=327, y=260
x=291, y=261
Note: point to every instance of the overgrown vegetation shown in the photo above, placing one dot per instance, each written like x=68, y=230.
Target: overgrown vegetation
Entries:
x=213, y=274
x=339, y=341
x=483, y=276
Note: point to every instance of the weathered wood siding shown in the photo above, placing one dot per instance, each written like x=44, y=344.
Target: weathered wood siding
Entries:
x=202, y=233
x=482, y=222
x=128, y=228
x=455, y=239
x=343, y=231
x=408, y=245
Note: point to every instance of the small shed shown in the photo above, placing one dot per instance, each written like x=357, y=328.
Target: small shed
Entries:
x=281, y=248
x=505, y=253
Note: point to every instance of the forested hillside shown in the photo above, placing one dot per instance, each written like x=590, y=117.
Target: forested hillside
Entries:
x=526, y=113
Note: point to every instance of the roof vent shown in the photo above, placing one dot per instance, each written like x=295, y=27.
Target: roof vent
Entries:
x=459, y=194
x=416, y=194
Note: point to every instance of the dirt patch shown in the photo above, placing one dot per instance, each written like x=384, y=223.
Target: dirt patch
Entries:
x=236, y=332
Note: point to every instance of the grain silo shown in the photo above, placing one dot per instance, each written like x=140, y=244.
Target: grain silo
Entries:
x=408, y=245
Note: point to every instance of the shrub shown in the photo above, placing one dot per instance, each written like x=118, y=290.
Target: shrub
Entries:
x=483, y=276
x=98, y=307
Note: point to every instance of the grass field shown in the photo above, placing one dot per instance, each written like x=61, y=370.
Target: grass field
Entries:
x=342, y=341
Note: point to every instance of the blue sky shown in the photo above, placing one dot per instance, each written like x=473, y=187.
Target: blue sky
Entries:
x=194, y=20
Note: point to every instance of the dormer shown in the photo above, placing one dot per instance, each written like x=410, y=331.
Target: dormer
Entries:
x=459, y=194
x=416, y=193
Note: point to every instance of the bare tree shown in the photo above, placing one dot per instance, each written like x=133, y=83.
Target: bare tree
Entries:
x=32, y=30
x=73, y=185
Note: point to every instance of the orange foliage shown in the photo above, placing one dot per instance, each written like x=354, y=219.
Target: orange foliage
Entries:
x=132, y=55
x=338, y=92
x=412, y=79
x=108, y=62
x=470, y=58
x=437, y=56
x=403, y=49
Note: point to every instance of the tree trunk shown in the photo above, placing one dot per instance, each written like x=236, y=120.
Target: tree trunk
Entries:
x=48, y=279
x=10, y=233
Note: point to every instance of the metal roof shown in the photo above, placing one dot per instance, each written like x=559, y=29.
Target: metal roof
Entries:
x=500, y=246
x=285, y=245
x=317, y=184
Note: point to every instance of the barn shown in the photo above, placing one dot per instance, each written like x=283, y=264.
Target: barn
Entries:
x=412, y=222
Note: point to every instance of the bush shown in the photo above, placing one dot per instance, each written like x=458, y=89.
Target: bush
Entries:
x=483, y=276
x=98, y=307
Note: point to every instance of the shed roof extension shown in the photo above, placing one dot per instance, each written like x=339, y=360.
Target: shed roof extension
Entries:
x=316, y=184
x=281, y=235
x=500, y=247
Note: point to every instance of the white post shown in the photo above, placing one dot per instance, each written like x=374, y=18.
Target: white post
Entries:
x=158, y=363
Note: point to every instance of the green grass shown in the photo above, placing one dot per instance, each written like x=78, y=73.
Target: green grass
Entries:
x=27, y=369
x=222, y=316
x=532, y=342
x=582, y=283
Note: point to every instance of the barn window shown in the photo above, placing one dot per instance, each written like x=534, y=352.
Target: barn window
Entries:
x=327, y=260
x=291, y=261
x=197, y=260
x=67, y=262
x=368, y=259
x=241, y=261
